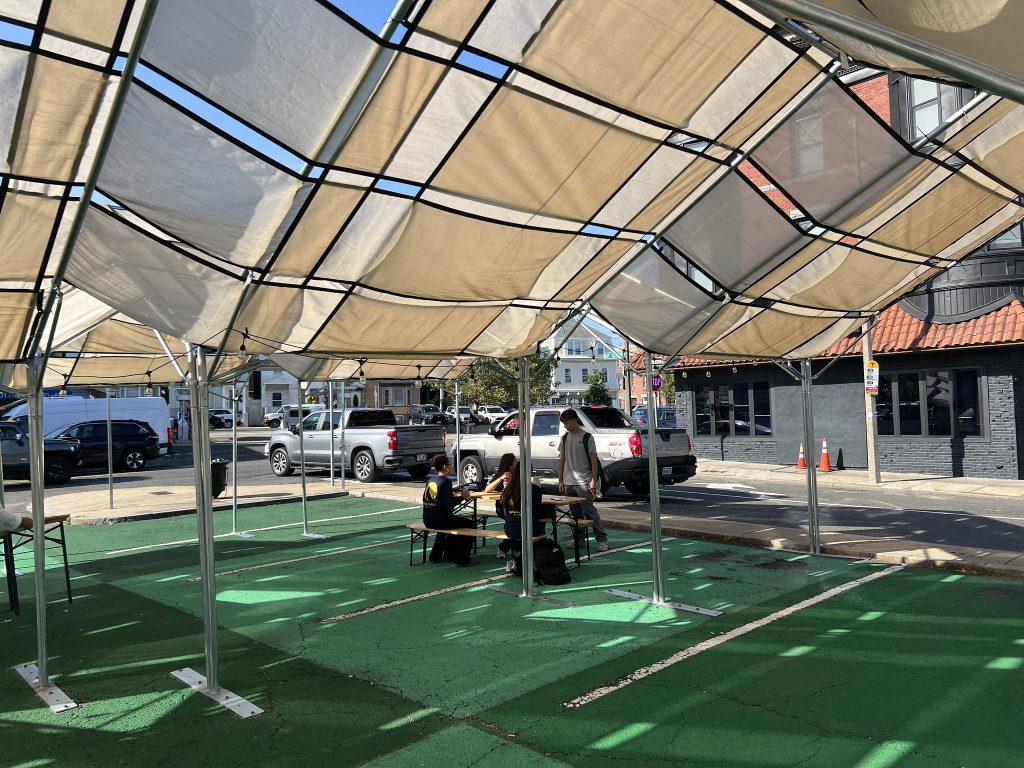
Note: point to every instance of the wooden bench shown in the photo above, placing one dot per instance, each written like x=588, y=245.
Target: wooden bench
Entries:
x=421, y=532
x=53, y=532
x=576, y=523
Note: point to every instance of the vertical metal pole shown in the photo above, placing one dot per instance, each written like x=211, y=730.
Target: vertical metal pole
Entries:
x=525, y=473
x=344, y=413
x=658, y=593
x=3, y=501
x=330, y=424
x=871, y=419
x=806, y=379
x=110, y=454
x=36, y=467
x=302, y=464
x=204, y=510
x=458, y=434
x=234, y=464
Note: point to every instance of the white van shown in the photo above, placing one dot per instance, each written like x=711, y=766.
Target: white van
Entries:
x=60, y=412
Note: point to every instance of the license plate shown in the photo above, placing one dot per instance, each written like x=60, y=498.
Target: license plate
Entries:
x=666, y=470
x=421, y=457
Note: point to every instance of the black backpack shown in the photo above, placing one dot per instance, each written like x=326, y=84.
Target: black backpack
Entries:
x=549, y=563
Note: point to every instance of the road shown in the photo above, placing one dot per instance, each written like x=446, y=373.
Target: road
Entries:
x=977, y=521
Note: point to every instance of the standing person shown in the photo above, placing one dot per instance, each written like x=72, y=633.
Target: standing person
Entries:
x=498, y=483
x=578, y=472
x=439, y=503
x=511, y=501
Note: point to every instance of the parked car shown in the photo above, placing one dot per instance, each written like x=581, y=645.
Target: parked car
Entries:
x=289, y=413
x=491, y=414
x=60, y=457
x=666, y=416
x=620, y=441
x=373, y=441
x=465, y=415
x=224, y=414
x=218, y=422
x=133, y=442
x=428, y=413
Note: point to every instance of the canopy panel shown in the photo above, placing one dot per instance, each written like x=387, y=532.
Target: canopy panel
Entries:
x=280, y=178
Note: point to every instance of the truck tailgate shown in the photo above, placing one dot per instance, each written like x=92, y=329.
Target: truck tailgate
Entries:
x=426, y=438
x=668, y=442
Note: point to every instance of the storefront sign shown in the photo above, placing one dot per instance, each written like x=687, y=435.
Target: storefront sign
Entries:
x=871, y=378
x=655, y=383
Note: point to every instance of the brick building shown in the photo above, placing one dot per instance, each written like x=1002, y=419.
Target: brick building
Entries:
x=951, y=355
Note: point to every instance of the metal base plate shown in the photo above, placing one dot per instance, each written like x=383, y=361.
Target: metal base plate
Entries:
x=314, y=536
x=519, y=593
x=52, y=696
x=666, y=603
x=242, y=534
x=241, y=707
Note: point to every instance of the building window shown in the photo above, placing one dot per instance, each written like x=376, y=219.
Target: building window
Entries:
x=929, y=404
x=394, y=396
x=574, y=347
x=599, y=350
x=924, y=108
x=275, y=399
x=604, y=375
x=584, y=373
x=809, y=145
x=567, y=375
x=1011, y=238
x=737, y=410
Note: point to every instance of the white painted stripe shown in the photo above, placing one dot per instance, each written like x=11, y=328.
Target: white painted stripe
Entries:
x=414, y=598
x=308, y=557
x=256, y=530
x=693, y=650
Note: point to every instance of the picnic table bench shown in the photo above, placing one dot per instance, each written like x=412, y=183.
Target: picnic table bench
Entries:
x=421, y=532
x=53, y=531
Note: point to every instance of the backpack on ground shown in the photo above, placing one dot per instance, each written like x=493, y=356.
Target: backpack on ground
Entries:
x=549, y=563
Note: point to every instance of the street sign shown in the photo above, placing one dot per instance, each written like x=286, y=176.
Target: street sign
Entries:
x=871, y=378
x=610, y=356
x=656, y=383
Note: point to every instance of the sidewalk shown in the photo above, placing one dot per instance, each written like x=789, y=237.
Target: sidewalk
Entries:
x=92, y=508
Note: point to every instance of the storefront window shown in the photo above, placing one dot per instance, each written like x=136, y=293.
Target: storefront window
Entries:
x=730, y=407
x=927, y=402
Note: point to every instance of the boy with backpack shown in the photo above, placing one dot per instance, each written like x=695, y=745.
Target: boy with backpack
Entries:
x=578, y=473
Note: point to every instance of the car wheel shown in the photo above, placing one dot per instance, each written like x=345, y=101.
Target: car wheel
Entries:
x=133, y=459
x=418, y=472
x=363, y=467
x=274, y=423
x=638, y=489
x=280, y=464
x=56, y=470
x=471, y=471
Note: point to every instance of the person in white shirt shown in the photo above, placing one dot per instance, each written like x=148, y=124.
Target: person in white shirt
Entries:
x=11, y=521
x=578, y=472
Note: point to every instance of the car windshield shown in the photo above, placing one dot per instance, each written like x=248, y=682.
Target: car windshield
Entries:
x=429, y=408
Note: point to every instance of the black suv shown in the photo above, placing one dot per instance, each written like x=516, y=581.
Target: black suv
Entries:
x=59, y=457
x=425, y=414
x=132, y=442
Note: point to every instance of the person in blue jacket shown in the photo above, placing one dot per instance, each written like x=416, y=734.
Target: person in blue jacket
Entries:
x=511, y=503
x=439, y=505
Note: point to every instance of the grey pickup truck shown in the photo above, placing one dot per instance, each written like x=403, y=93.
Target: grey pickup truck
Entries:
x=373, y=442
x=620, y=441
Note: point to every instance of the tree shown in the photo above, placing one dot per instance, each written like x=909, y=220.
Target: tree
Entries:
x=496, y=382
x=597, y=390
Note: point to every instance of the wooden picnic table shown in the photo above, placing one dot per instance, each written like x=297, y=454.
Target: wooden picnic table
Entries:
x=51, y=523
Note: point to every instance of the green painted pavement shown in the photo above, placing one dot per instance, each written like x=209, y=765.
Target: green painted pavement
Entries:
x=913, y=667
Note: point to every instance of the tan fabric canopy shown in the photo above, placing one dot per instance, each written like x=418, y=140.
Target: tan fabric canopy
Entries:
x=292, y=183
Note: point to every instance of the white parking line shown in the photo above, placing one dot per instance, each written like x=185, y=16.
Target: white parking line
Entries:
x=307, y=557
x=266, y=528
x=693, y=650
x=413, y=599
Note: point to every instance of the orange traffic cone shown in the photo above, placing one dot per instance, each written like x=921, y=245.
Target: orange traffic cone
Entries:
x=801, y=463
x=826, y=465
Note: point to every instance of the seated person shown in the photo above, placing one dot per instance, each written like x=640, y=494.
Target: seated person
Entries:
x=498, y=483
x=439, y=503
x=12, y=521
x=512, y=507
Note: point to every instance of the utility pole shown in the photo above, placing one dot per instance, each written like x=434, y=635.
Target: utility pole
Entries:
x=871, y=421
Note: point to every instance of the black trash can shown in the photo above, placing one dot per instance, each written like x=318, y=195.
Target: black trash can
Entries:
x=219, y=476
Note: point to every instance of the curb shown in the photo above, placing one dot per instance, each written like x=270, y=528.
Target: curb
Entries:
x=790, y=545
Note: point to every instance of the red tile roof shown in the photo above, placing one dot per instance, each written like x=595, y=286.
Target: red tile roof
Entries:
x=899, y=331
